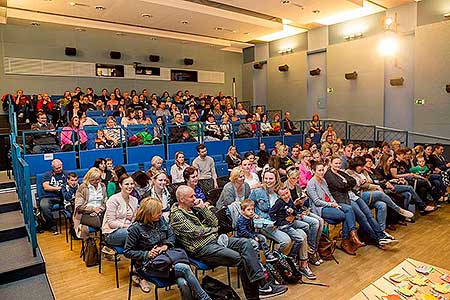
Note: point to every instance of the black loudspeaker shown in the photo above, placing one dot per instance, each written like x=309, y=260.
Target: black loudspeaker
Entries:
x=315, y=72
x=154, y=58
x=397, y=81
x=115, y=55
x=447, y=88
x=351, y=76
x=71, y=51
x=283, y=68
x=188, y=61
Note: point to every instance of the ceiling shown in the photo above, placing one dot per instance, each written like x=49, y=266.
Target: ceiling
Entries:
x=227, y=23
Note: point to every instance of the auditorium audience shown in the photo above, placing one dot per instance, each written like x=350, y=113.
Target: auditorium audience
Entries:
x=177, y=169
x=235, y=190
x=73, y=136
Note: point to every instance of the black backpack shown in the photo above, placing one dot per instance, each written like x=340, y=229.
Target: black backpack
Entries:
x=218, y=290
x=286, y=268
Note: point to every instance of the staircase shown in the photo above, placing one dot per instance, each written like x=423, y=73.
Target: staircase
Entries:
x=22, y=275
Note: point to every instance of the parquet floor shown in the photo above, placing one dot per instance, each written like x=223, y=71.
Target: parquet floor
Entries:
x=427, y=240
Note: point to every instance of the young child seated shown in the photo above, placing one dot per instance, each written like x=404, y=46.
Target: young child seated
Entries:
x=68, y=191
x=109, y=164
x=421, y=168
x=285, y=215
x=246, y=229
x=100, y=140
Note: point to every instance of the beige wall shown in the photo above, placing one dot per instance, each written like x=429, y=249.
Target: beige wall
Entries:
x=247, y=82
x=287, y=90
x=432, y=73
x=360, y=100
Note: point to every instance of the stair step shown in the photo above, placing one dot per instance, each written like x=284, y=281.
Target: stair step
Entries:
x=7, y=205
x=12, y=226
x=36, y=287
x=17, y=261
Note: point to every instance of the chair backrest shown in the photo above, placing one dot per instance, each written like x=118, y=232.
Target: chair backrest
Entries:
x=213, y=195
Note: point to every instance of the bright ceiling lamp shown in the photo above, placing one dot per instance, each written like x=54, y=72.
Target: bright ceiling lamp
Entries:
x=368, y=8
x=286, y=32
x=388, y=46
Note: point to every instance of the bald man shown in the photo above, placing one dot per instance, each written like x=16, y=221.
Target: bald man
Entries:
x=52, y=182
x=195, y=227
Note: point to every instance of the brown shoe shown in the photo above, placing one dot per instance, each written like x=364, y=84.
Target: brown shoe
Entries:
x=347, y=247
x=355, y=240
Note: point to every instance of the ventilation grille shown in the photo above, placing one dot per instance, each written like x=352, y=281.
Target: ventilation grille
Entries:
x=211, y=77
x=28, y=66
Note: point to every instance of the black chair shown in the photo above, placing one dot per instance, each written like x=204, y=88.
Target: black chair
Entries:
x=213, y=195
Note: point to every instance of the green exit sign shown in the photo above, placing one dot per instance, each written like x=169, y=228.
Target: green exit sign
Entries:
x=420, y=101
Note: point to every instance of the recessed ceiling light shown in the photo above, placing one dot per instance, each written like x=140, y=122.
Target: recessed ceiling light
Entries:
x=72, y=4
x=80, y=29
x=218, y=28
x=120, y=33
x=233, y=31
x=246, y=33
x=36, y=24
x=100, y=7
x=285, y=1
x=184, y=22
x=447, y=15
x=316, y=11
x=153, y=38
x=184, y=42
x=146, y=16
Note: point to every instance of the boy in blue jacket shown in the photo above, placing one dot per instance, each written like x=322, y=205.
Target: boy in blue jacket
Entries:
x=69, y=190
x=246, y=229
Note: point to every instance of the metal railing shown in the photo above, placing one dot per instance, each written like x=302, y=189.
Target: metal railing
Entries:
x=21, y=171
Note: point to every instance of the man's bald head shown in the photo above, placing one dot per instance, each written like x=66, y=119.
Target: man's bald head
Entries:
x=57, y=166
x=185, y=197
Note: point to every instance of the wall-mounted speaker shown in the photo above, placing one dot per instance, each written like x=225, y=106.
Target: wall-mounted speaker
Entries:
x=397, y=81
x=447, y=88
x=71, y=51
x=283, y=68
x=115, y=54
x=154, y=58
x=351, y=76
x=188, y=61
x=315, y=72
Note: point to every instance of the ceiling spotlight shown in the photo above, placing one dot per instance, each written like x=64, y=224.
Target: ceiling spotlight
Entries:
x=146, y=16
x=447, y=15
x=36, y=24
x=285, y=1
x=79, y=29
x=120, y=33
x=100, y=7
x=72, y=4
x=316, y=11
x=184, y=22
x=246, y=33
x=219, y=28
x=153, y=38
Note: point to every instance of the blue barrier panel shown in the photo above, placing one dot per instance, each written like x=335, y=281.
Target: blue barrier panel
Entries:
x=88, y=157
x=94, y=113
x=316, y=138
x=270, y=141
x=133, y=129
x=290, y=140
x=217, y=157
x=222, y=169
x=189, y=149
x=91, y=133
x=246, y=144
x=41, y=163
x=80, y=173
x=131, y=168
x=218, y=147
x=144, y=153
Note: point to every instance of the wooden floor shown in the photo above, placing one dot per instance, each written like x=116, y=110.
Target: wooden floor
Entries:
x=427, y=240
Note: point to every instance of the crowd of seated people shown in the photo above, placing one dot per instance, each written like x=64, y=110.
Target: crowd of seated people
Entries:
x=184, y=115
x=294, y=191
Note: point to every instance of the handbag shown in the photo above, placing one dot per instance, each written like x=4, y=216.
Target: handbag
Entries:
x=91, y=256
x=92, y=221
x=162, y=264
x=326, y=248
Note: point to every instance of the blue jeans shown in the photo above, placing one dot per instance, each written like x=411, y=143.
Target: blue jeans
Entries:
x=407, y=189
x=117, y=237
x=366, y=221
x=188, y=284
x=296, y=233
x=315, y=227
x=374, y=199
x=241, y=253
x=438, y=188
x=345, y=214
x=281, y=238
x=46, y=149
x=46, y=205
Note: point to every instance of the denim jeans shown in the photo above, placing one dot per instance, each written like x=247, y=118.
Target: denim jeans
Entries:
x=366, y=221
x=438, y=188
x=46, y=149
x=345, y=214
x=415, y=199
x=117, y=237
x=373, y=200
x=46, y=209
x=281, y=238
x=261, y=244
x=296, y=233
x=188, y=284
x=240, y=253
x=315, y=227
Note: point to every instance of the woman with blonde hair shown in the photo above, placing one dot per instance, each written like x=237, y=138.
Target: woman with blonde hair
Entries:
x=90, y=200
x=235, y=190
x=305, y=173
x=233, y=158
x=149, y=236
x=157, y=163
x=159, y=191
